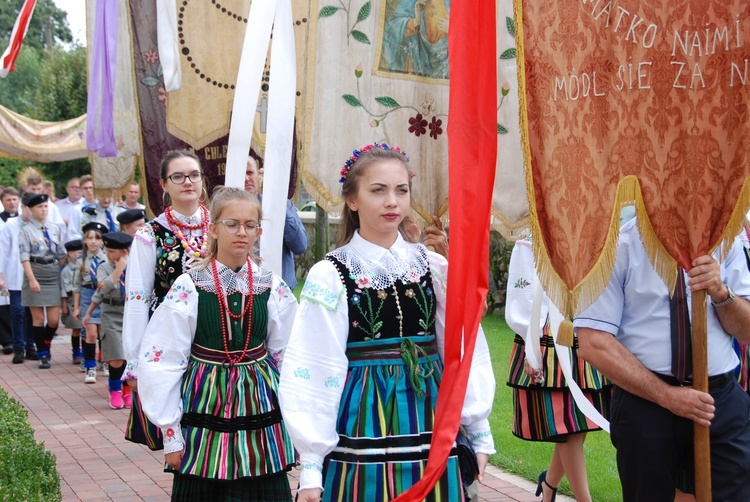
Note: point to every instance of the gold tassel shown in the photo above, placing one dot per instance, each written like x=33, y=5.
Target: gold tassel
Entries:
x=565, y=334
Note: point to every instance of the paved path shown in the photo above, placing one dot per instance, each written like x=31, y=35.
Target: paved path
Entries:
x=96, y=463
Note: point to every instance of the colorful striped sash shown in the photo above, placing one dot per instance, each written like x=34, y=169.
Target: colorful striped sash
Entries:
x=391, y=351
x=212, y=356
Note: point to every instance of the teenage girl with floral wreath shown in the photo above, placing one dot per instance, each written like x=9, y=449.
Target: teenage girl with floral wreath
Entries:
x=363, y=366
x=162, y=250
x=208, y=366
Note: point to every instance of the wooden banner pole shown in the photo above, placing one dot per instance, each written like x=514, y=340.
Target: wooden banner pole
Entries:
x=702, y=442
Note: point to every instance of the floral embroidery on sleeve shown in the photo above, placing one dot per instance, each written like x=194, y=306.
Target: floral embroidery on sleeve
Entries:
x=139, y=296
x=332, y=382
x=521, y=283
x=321, y=295
x=154, y=355
x=180, y=293
x=302, y=373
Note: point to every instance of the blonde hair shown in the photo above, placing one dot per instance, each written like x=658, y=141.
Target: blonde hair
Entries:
x=222, y=197
x=29, y=176
x=350, y=188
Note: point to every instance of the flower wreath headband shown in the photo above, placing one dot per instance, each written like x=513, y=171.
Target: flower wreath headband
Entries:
x=356, y=154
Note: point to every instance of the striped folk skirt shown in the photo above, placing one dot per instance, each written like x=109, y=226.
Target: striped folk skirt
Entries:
x=232, y=426
x=385, y=424
x=140, y=430
x=547, y=411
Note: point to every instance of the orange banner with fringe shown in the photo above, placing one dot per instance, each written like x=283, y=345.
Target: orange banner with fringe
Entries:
x=634, y=102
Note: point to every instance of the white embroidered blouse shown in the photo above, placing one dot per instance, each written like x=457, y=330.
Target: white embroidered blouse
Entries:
x=316, y=353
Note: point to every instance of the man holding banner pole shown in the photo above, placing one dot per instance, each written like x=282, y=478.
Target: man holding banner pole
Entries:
x=632, y=334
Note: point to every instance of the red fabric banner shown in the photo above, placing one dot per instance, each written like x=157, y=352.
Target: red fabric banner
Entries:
x=472, y=153
x=16, y=38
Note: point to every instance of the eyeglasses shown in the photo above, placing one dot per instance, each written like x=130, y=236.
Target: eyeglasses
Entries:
x=233, y=226
x=179, y=178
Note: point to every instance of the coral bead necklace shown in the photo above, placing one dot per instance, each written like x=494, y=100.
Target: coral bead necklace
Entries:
x=177, y=228
x=224, y=311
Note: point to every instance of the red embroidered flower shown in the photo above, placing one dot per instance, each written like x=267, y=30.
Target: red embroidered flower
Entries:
x=418, y=125
x=151, y=56
x=162, y=95
x=435, y=129
x=170, y=433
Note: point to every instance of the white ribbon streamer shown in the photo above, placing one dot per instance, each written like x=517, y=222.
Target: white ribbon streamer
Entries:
x=533, y=332
x=280, y=124
x=169, y=49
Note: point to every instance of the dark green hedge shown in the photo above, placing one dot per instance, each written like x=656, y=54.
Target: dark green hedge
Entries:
x=27, y=470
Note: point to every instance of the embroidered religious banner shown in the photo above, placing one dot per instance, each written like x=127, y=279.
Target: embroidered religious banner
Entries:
x=632, y=102
x=22, y=138
x=115, y=173
x=153, y=99
x=379, y=72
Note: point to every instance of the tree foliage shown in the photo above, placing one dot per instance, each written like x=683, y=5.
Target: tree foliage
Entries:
x=48, y=26
x=49, y=82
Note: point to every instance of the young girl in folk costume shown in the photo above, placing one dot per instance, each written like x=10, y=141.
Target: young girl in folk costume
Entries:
x=362, y=370
x=543, y=406
x=162, y=250
x=84, y=286
x=40, y=249
x=208, y=372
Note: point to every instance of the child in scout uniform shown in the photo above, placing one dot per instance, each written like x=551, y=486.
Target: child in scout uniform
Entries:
x=105, y=211
x=84, y=285
x=110, y=294
x=131, y=220
x=40, y=247
x=74, y=249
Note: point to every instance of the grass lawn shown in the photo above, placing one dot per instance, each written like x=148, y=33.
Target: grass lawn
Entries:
x=527, y=458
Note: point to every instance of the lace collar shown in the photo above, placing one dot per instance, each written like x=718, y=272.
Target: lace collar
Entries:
x=231, y=281
x=192, y=219
x=381, y=267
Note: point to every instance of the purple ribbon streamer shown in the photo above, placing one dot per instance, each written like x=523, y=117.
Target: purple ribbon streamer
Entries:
x=100, y=105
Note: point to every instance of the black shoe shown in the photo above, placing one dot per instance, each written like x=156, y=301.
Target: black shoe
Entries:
x=539, y=490
x=18, y=357
x=8, y=349
x=43, y=363
x=31, y=355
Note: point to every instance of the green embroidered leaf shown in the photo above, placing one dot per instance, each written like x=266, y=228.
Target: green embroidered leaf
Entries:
x=328, y=10
x=508, y=53
x=376, y=327
x=387, y=101
x=352, y=100
x=423, y=324
x=159, y=71
x=150, y=81
x=511, y=26
x=364, y=12
x=360, y=37
x=501, y=129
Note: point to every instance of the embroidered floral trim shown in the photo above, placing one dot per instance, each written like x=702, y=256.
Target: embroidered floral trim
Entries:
x=480, y=435
x=146, y=234
x=139, y=296
x=521, y=283
x=302, y=373
x=179, y=293
x=332, y=382
x=231, y=281
x=311, y=466
x=320, y=294
x=154, y=355
x=408, y=267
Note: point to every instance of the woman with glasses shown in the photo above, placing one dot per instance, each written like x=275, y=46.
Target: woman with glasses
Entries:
x=209, y=366
x=162, y=250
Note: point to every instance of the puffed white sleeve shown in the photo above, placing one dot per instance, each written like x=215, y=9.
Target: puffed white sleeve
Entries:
x=314, y=370
x=282, y=307
x=520, y=290
x=139, y=286
x=163, y=358
x=480, y=389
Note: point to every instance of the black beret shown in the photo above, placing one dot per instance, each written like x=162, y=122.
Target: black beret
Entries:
x=34, y=199
x=94, y=225
x=130, y=216
x=117, y=240
x=74, y=245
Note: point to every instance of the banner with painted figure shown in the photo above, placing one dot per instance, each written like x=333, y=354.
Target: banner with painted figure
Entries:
x=193, y=118
x=116, y=172
x=381, y=74
x=637, y=102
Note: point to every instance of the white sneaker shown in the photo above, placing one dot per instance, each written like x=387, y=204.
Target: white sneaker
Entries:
x=105, y=369
x=82, y=367
x=90, y=375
